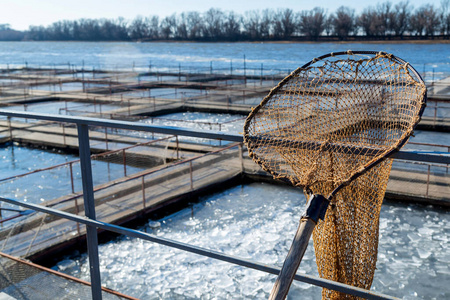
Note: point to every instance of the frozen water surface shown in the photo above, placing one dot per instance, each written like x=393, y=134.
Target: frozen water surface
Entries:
x=257, y=222
x=202, y=121
x=229, y=123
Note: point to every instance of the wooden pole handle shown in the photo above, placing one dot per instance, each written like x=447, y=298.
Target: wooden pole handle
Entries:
x=293, y=259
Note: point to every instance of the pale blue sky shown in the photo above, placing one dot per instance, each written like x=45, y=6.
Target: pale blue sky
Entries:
x=20, y=14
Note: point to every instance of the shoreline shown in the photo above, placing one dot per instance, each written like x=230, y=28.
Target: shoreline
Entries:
x=408, y=41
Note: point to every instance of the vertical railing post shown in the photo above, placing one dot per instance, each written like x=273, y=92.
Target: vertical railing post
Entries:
x=428, y=179
x=10, y=129
x=124, y=160
x=261, y=76
x=64, y=133
x=143, y=192
x=190, y=174
x=241, y=157
x=178, y=147
x=89, y=209
x=435, y=112
x=71, y=177
x=448, y=150
x=106, y=138
x=77, y=211
x=245, y=72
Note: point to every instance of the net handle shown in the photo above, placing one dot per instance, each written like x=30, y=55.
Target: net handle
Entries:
x=315, y=210
x=293, y=259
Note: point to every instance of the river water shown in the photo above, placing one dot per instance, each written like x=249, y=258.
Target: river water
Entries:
x=428, y=59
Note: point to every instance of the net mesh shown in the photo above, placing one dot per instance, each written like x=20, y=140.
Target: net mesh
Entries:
x=325, y=127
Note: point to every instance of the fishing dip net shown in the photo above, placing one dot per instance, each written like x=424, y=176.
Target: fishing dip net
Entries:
x=330, y=128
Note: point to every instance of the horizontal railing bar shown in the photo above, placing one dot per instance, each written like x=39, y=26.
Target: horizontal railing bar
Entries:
x=329, y=284
x=423, y=157
x=406, y=155
x=93, y=156
x=124, y=125
x=428, y=144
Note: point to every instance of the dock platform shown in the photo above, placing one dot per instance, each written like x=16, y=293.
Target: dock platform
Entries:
x=179, y=171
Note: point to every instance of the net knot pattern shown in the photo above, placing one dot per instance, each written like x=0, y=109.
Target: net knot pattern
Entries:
x=330, y=127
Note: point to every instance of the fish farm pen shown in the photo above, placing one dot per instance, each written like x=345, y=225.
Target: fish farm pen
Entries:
x=92, y=154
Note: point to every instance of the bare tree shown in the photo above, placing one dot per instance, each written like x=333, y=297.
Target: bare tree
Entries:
x=252, y=24
x=285, y=23
x=232, y=26
x=195, y=25
x=168, y=27
x=400, y=17
x=432, y=20
x=383, y=16
x=445, y=17
x=153, y=27
x=265, y=26
x=138, y=28
x=368, y=21
x=328, y=25
x=312, y=23
x=344, y=22
x=213, y=24
x=182, y=27
x=5, y=26
x=425, y=20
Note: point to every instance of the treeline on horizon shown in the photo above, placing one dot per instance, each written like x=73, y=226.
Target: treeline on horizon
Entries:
x=383, y=21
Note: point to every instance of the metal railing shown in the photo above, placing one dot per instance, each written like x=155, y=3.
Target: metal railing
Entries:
x=92, y=224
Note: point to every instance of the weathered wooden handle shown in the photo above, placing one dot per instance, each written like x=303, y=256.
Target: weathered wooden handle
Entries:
x=293, y=259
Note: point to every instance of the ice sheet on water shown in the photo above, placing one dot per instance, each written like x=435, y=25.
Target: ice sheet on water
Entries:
x=424, y=253
x=67, y=264
x=154, y=224
x=258, y=222
x=426, y=231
